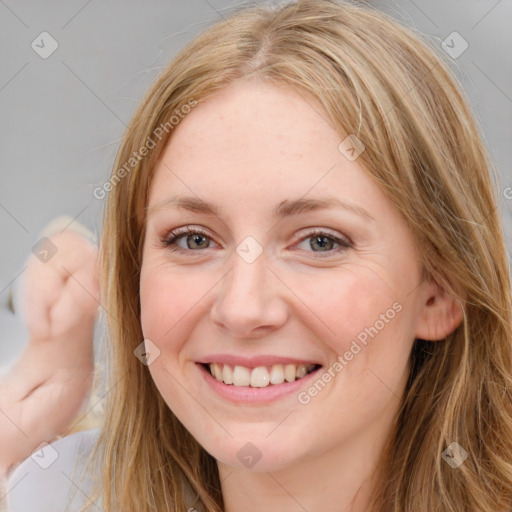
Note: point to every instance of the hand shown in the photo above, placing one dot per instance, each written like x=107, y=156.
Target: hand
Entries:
x=46, y=388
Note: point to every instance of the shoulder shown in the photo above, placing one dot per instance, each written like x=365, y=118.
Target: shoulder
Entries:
x=47, y=480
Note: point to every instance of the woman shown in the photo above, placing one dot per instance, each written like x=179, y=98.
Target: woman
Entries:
x=372, y=377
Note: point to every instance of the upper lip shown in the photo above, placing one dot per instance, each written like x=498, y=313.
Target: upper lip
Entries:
x=253, y=362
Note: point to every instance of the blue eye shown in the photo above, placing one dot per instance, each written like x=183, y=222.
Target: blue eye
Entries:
x=196, y=239
x=191, y=236
x=325, y=241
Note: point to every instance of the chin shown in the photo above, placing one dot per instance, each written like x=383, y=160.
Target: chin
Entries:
x=253, y=455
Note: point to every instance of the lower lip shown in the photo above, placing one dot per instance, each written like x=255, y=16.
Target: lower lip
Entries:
x=250, y=395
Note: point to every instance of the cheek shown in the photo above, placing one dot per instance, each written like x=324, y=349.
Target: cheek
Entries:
x=367, y=329
x=349, y=301
x=170, y=300
x=360, y=315
x=169, y=296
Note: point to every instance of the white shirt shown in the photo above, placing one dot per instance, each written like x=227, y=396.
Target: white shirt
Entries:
x=47, y=480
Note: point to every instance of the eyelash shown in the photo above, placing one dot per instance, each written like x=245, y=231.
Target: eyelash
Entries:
x=178, y=233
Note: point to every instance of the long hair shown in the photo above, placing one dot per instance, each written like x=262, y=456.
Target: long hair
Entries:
x=390, y=87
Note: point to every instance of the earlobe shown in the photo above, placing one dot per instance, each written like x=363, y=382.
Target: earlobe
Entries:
x=440, y=315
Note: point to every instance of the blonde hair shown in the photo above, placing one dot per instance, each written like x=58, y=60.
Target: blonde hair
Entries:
x=388, y=86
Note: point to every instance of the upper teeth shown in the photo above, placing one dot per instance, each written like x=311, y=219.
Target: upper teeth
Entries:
x=259, y=377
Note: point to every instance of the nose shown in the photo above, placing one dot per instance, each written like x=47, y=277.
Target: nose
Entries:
x=250, y=301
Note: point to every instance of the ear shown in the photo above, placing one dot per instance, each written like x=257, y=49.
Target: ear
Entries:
x=440, y=314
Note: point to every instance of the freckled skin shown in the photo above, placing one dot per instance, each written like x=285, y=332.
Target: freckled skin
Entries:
x=246, y=150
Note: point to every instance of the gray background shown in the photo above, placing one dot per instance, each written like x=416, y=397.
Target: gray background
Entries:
x=63, y=116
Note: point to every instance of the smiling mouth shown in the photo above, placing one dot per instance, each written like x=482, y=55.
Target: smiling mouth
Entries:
x=261, y=376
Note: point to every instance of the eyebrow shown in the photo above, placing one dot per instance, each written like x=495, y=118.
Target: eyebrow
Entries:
x=285, y=208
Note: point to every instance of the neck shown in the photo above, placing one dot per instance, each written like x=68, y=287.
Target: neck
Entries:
x=341, y=479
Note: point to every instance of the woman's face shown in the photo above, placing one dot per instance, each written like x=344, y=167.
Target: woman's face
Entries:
x=272, y=278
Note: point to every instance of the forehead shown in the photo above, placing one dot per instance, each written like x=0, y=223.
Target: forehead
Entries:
x=250, y=107
x=254, y=145
x=252, y=122
x=255, y=132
